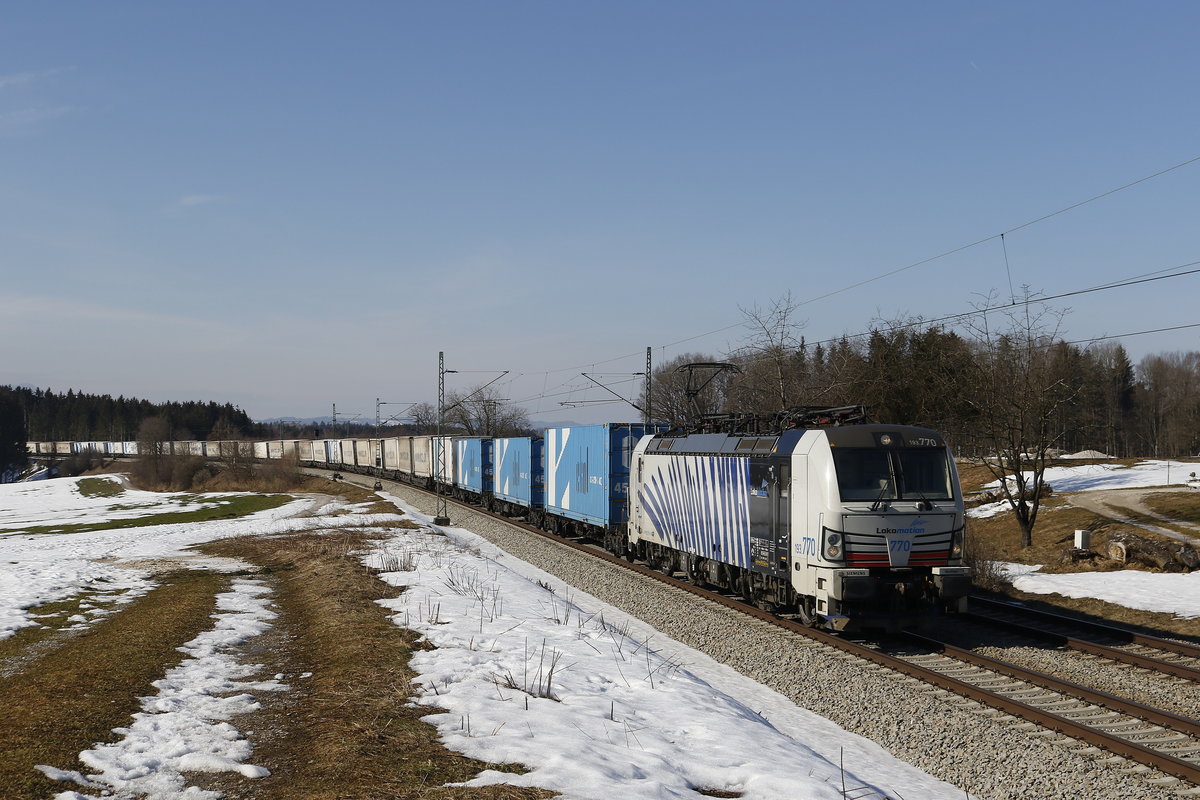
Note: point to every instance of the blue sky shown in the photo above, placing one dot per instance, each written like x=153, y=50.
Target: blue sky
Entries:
x=290, y=205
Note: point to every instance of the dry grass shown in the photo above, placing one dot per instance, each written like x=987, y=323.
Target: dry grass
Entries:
x=973, y=476
x=1184, y=506
x=1053, y=534
x=349, y=731
x=66, y=698
x=999, y=538
x=53, y=630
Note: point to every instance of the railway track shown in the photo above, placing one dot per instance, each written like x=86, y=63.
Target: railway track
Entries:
x=1098, y=721
x=1167, y=656
x=1145, y=734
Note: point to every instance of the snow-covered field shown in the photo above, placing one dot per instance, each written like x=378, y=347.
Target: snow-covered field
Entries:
x=599, y=705
x=1092, y=477
x=596, y=704
x=1173, y=593
x=1177, y=594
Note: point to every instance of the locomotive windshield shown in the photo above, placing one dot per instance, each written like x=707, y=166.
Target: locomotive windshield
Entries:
x=877, y=474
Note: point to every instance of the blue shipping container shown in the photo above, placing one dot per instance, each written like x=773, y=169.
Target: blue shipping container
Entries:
x=518, y=471
x=473, y=465
x=587, y=470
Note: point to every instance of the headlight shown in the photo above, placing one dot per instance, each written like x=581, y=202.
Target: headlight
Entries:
x=956, y=544
x=833, y=546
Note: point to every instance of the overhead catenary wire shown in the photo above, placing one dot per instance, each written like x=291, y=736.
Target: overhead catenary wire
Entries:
x=1135, y=333
x=889, y=273
x=929, y=259
x=1119, y=284
x=1143, y=278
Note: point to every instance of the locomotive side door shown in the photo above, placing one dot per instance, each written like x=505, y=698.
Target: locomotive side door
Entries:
x=770, y=494
x=782, y=515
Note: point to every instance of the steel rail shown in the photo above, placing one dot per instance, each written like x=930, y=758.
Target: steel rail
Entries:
x=1134, y=709
x=1133, y=637
x=1097, y=649
x=1164, y=762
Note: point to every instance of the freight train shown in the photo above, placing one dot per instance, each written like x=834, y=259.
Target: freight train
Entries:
x=846, y=526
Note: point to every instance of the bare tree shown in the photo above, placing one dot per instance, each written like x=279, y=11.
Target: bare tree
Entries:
x=772, y=358
x=1017, y=395
x=424, y=417
x=669, y=390
x=237, y=456
x=482, y=412
x=1170, y=407
x=153, y=439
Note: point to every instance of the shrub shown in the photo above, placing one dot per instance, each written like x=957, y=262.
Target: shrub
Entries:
x=984, y=559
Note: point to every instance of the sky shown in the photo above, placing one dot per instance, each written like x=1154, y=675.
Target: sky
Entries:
x=292, y=205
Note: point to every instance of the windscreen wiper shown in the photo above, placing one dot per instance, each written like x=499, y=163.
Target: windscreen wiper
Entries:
x=924, y=505
x=879, y=500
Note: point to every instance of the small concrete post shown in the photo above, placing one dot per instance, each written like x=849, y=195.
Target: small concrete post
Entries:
x=1083, y=540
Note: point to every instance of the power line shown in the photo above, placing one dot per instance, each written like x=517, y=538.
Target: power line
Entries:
x=1135, y=333
x=1148, y=277
x=1027, y=302
x=944, y=254
x=930, y=259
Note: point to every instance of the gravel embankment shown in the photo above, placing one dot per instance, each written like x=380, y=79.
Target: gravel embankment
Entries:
x=989, y=754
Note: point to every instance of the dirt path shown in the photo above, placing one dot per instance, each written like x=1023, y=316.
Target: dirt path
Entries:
x=1112, y=503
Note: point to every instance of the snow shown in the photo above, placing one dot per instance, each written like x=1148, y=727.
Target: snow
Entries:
x=184, y=727
x=1171, y=593
x=635, y=713
x=1176, y=593
x=595, y=703
x=1093, y=477
x=101, y=564
x=528, y=670
x=1090, y=477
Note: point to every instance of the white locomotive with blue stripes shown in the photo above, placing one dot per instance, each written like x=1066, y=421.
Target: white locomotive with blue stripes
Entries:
x=849, y=526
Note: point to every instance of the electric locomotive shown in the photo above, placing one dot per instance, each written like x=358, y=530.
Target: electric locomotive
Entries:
x=848, y=526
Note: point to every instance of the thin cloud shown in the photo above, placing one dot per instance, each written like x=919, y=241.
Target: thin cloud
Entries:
x=193, y=200
x=24, y=117
x=22, y=78
x=18, y=311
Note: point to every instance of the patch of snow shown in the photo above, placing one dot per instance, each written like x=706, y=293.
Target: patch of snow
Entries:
x=1090, y=477
x=631, y=713
x=1169, y=593
x=183, y=728
x=1087, y=454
